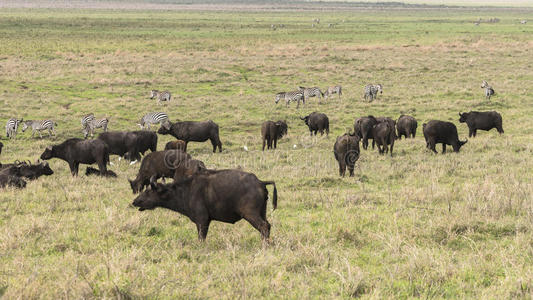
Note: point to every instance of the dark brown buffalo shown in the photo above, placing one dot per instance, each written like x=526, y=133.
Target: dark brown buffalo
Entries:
x=346, y=150
x=317, y=122
x=159, y=164
x=130, y=144
x=27, y=169
x=190, y=131
x=363, y=128
x=75, y=151
x=226, y=196
x=484, y=120
x=188, y=167
x=176, y=145
x=406, y=126
x=271, y=132
x=93, y=171
x=383, y=133
x=442, y=132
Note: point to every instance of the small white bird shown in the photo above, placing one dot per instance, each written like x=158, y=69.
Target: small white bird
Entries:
x=245, y=148
x=294, y=146
x=131, y=163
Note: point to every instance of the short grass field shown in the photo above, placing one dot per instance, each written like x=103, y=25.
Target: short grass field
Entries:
x=458, y=225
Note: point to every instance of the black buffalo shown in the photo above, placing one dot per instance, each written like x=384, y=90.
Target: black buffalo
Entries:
x=130, y=144
x=383, y=134
x=442, y=132
x=271, y=132
x=406, y=126
x=188, y=167
x=176, y=145
x=346, y=150
x=226, y=195
x=363, y=128
x=93, y=171
x=191, y=131
x=317, y=122
x=159, y=164
x=484, y=120
x=27, y=169
x=75, y=151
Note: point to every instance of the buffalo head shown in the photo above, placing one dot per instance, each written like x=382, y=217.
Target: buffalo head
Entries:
x=463, y=117
x=48, y=153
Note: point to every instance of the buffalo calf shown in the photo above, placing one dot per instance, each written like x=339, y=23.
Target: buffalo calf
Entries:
x=485, y=120
x=271, y=132
x=176, y=145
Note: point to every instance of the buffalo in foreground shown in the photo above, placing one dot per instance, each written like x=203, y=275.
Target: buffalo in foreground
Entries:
x=346, y=150
x=191, y=131
x=225, y=195
x=442, y=132
x=485, y=120
x=406, y=126
x=271, y=132
x=317, y=122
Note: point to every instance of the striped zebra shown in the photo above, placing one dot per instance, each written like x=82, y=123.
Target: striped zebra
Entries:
x=152, y=118
x=93, y=124
x=291, y=96
x=86, y=119
x=489, y=91
x=161, y=96
x=372, y=90
x=311, y=92
x=12, y=126
x=333, y=90
x=39, y=126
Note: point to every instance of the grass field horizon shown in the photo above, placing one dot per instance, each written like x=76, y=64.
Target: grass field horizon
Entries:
x=457, y=225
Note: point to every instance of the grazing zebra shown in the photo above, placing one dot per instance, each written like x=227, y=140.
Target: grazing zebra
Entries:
x=371, y=91
x=12, y=125
x=86, y=119
x=291, y=96
x=489, y=91
x=333, y=90
x=39, y=126
x=93, y=124
x=311, y=92
x=161, y=96
x=152, y=118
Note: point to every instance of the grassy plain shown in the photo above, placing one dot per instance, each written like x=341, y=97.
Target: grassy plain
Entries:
x=415, y=225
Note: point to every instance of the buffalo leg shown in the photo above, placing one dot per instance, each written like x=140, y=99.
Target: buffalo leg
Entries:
x=103, y=167
x=275, y=143
x=186, y=143
x=203, y=228
x=260, y=224
x=350, y=169
x=342, y=168
x=74, y=168
x=214, y=143
x=431, y=145
x=443, y=148
x=470, y=132
x=264, y=142
x=365, y=142
x=475, y=132
x=500, y=129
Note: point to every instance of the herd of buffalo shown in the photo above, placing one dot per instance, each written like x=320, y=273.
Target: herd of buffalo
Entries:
x=204, y=194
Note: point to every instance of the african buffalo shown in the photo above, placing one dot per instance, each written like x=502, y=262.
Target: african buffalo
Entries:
x=484, y=120
x=159, y=164
x=188, y=167
x=383, y=133
x=12, y=181
x=442, y=132
x=130, y=144
x=93, y=171
x=76, y=151
x=190, y=131
x=176, y=145
x=317, y=122
x=226, y=195
x=272, y=131
x=406, y=126
x=346, y=150
x=363, y=128
x=27, y=169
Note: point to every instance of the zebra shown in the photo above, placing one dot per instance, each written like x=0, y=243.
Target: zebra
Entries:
x=39, y=126
x=152, y=118
x=372, y=90
x=161, y=96
x=311, y=92
x=333, y=90
x=291, y=96
x=93, y=124
x=489, y=91
x=12, y=126
x=86, y=119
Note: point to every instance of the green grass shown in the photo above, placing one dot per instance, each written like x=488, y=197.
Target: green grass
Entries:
x=414, y=225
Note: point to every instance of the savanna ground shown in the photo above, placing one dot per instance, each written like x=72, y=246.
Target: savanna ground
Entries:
x=414, y=225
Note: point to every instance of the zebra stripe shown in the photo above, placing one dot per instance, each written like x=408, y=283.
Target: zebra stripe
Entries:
x=489, y=91
x=333, y=90
x=311, y=92
x=86, y=119
x=152, y=118
x=39, y=126
x=93, y=124
x=161, y=96
x=12, y=126
x=291, y=96
x=372, y=90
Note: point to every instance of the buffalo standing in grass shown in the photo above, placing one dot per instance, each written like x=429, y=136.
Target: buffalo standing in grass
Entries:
x=485, y=120
x=129, y=144
x=442, y=132
x=75, y=151
x=271, y=132
x=317, y=122
x=406, y=126
x=346, y=150
x=226, y=195
x=363, y=128
x=190, y=131
x=384, y=135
